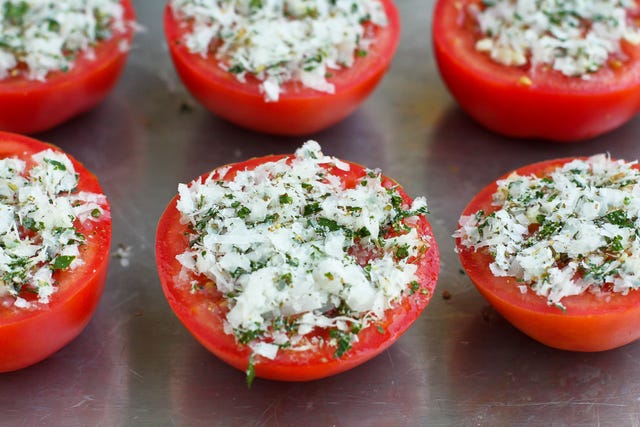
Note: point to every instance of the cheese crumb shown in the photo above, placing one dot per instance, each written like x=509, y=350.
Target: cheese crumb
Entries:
x=574, y=37
x=293, y=250
x=40, y=36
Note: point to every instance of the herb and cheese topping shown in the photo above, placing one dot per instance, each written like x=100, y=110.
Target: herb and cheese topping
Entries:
x=574, y=37
x=574, y=230
x=38, y=208
x=293, y=251
x=41, y=36
x=278, y=41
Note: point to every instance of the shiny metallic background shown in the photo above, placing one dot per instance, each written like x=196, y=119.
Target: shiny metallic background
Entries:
x=461, y=364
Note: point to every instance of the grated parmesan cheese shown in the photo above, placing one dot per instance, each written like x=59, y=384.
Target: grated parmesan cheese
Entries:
x=38, y=208
x=41, y=36
x=574, y=37
x=569, y=232
x=278, y=41
x=292, y=250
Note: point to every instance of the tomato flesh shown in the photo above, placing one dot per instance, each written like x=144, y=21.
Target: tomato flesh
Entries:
x=204, y=317
x=299, y=110
x=28, y=336
x=30, y=106
x=589, y=323
x=535, y=102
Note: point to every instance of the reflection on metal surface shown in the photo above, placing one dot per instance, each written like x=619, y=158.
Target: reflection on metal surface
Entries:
x=84, y=382
x=204, y=389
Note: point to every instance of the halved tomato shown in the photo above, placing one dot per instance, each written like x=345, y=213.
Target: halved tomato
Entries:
x=30, y=106
x=531, y=102
x=589, y=321
x=29, y=335
x=299, y=110
x=203, y=312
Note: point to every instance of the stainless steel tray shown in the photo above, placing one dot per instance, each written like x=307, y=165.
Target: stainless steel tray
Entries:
x=460, y=364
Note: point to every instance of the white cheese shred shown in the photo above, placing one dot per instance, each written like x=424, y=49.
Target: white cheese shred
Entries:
x=293, y=251
x=572, y=231
x=39, y=207
x=42, y=36
x=278, y=41
x=574, y=37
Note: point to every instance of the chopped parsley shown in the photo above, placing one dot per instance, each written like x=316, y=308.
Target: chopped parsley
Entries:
x=343, y=342
x=62, y=261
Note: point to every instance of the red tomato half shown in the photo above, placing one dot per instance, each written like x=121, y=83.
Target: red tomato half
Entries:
x=531, y=102
x=590, y=322
x=204, y=317
x=299, y=110
x=30, y=106
x=30, y=335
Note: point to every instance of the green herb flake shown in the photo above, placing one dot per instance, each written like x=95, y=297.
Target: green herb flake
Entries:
x=53, y=26
x=619, y=218
x=343, y=342
x=246, y=336
x=243, y=212
x=62, y=261
x=362, y=232
x=14, y=12
x=311, y=208
x=615, y=244
x=251, y=371
x=285, y=199
x=396, y=199
x=329, y=224
x=402, y=252
x=414, y=286
x=59, y=166
x=294, y=262
x=236, y=69
x=283, y=281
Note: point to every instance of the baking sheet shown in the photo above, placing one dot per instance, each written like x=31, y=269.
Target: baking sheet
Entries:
x=460, y=364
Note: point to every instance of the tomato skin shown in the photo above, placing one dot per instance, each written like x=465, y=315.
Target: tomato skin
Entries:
x=299, y=110
x=28, y=336
x=30, y=106
x=590, y=322
x=204, y=319
x=553, y=107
